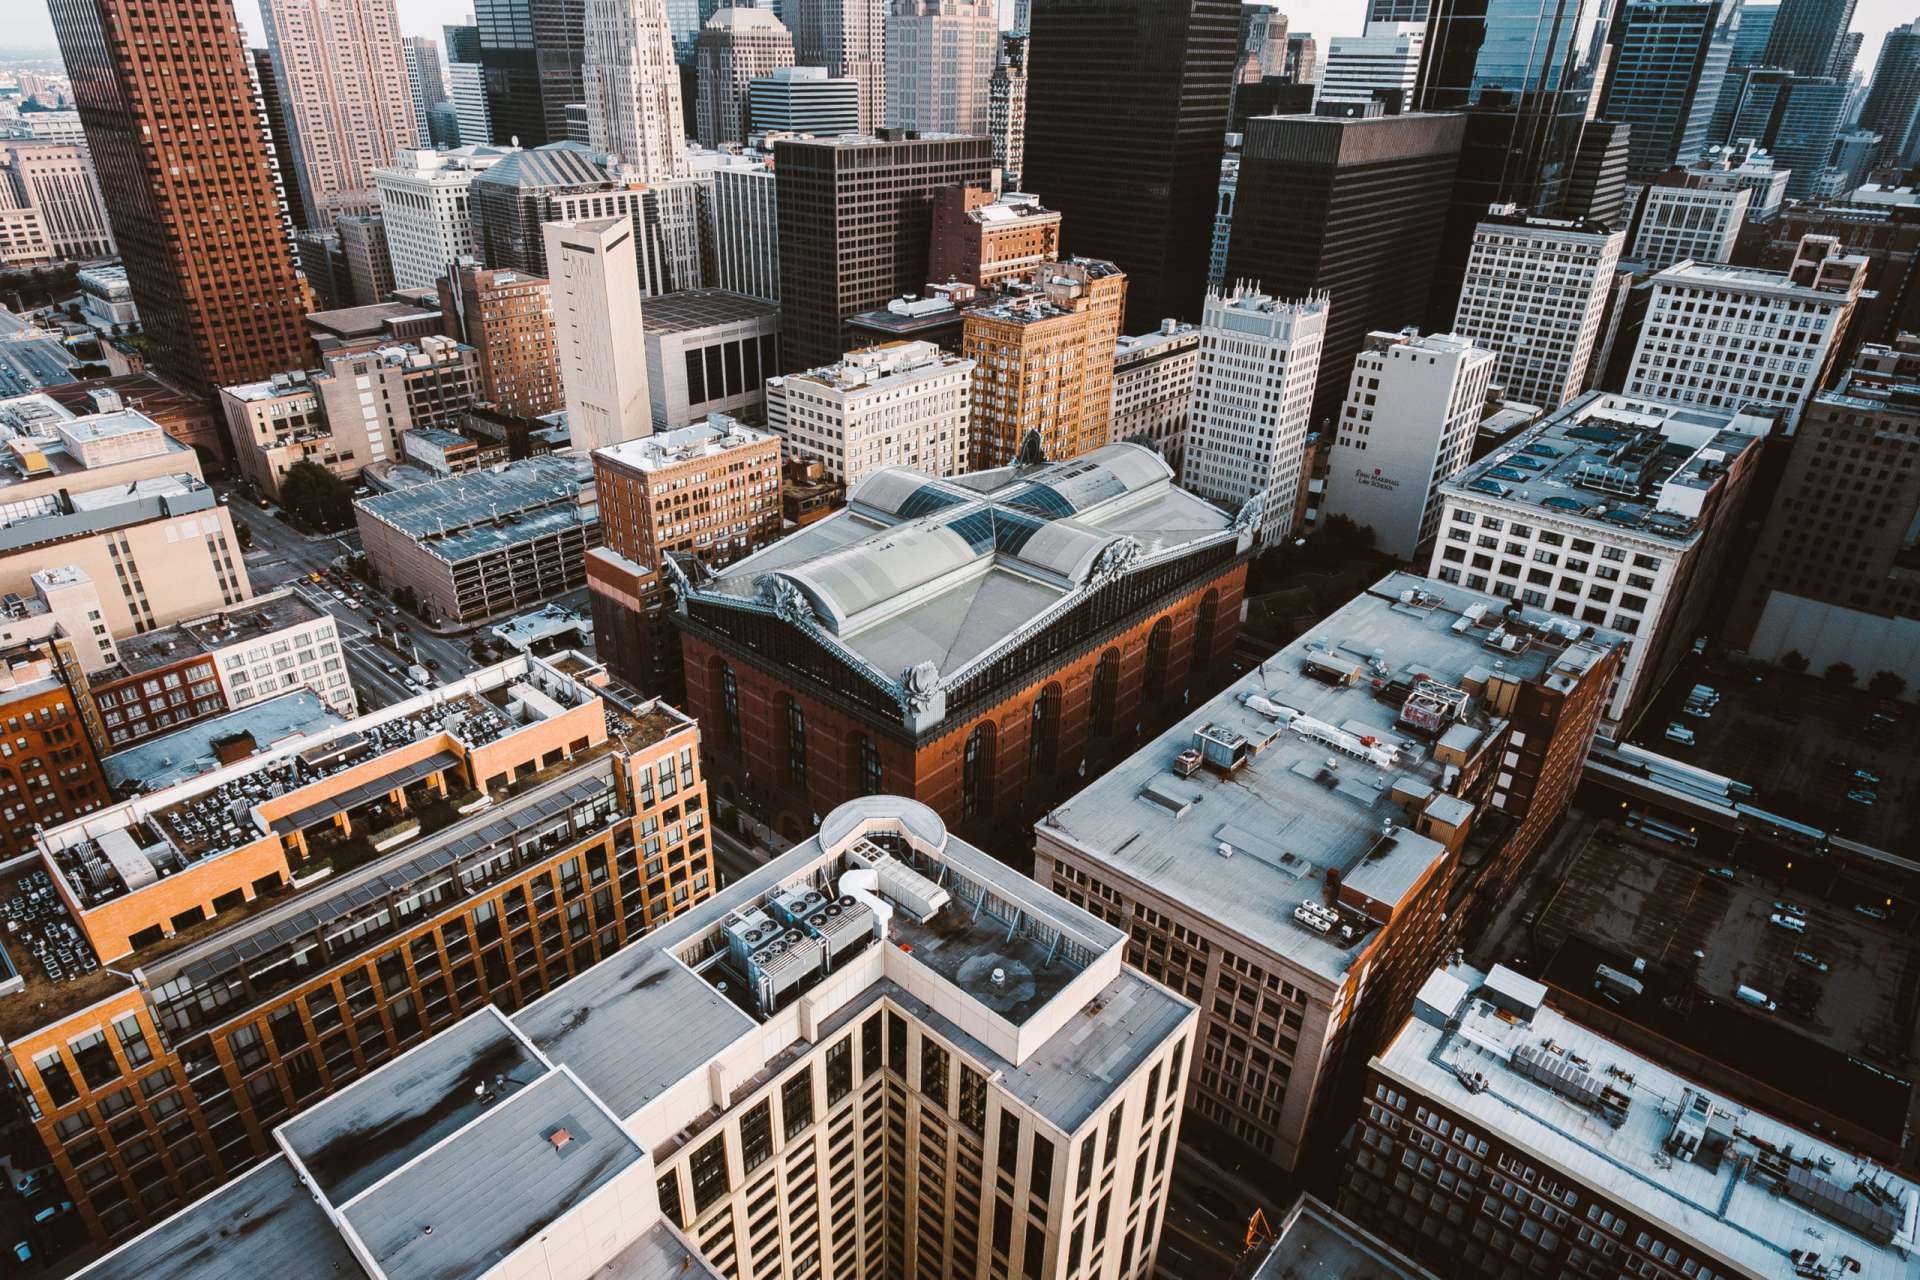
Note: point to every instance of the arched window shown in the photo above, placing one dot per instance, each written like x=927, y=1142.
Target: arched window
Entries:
x=1157, y=645
x=730, y=706
x=1202, y=655
x=976, y=772
x=796, y=745
x=1106, y=693
x=872, y=778
x=1043, y=733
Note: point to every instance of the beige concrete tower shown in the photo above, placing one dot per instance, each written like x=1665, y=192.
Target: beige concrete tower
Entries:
x=940, y=58
x=736, y=46
x=595, y=287
x=633, y=87
x=848, y=38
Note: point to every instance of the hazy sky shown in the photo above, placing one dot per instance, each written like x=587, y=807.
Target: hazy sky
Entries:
x=1323, y=18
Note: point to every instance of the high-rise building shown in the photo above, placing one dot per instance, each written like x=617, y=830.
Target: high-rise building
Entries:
x=1597, y=189
x=1536, y=290
x=1829, y=577
x=940, y=57
x=425, y=79
x=1370, y=792
x=709, y=351
x=903, y=404
x=1303, y=57
x=1892, y=108
x=1346, y=207
x=1627, y=522
x=1262, y=50
x=711, y=491
x=856, y=219
x=467, y=86
x=1525, y=74
x=1690, y=354
x=1752, y=169
x=1682, y=219
x=530, y=54
x=1043, y=362
x=1253, y=397
x=1749, y=50
x=342, y=72
x=1809, y=38
x=187, y=186
x=596, y=306
x=423, y=201
x=746, y=227
x=274, y=129
x=1383, y=65
x=981, y=643
x=736, y=46
x=1223, y=220
x=47, y=693
x=1413, y=408
x=632, y=88
x=985, y=239
x=1153, y=388
x=1007, y=110
x=1140, y=88
x=848, y=39
x=57, y=180
x=507, y=318
x=1668, y=62
x=1495, y=1076
x=1795, y=117
x=803, y=100
x=363, y=246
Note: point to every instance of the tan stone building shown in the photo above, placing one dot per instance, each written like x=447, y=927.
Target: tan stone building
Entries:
x=1044, y=354
x=984, y=239
x=507, y=317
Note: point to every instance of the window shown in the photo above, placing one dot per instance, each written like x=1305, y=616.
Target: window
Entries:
x=872, y=778
x=1009, y=1155
x=796, y=745
x=1043, y=733
x=709, y=1168
x=1106, y=693
x=976, y=781
x=973, y=1099
x=756, y=1136
x=933, y=1070
x=1040, y=1181
x=839, y=1070
x=1202, y=654
x=796, y=1102
x=1158, y=645
x=730, y=704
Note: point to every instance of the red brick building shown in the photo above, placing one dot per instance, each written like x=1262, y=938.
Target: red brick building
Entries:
x=982, y=644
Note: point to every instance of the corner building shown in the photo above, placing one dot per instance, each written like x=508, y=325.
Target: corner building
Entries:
x=1296, y=854
x=944, y=1071
x=973, y=642
x=197, y=963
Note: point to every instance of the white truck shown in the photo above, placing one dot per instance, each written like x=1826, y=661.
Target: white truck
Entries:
x=420, y=676
x=1758, y=999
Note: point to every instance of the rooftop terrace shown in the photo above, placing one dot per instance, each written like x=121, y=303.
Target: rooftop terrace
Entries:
x=1312, y=770
x=1734, y=1182
x=1624, y=465
x=171, y=759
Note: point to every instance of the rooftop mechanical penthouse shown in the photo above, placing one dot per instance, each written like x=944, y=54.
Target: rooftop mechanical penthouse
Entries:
x=881, y=1055
x=193, y=964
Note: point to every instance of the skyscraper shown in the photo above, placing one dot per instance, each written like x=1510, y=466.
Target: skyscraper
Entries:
x=632, y=87
x=736, y=46
x=595, y=289
x=1795, y=117
x=1749, y=50
x=1347, y=207
x=187, y=185
x=1007, y=110
x=1126, y=115
x=1892, y=108
x=273, y=123
x=343, y=83
x=560, y=56
x=848, y=38
x=424, y=78
x=1669, y=60
x=1382, y=65
x=1809, y=38
x=1524, y=72
x=940, y=58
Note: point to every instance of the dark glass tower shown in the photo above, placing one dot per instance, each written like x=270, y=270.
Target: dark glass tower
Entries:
x=1809, y=38
x=1669, y=59
x=1892, y=109
x=532, y=52
x=1126, y=117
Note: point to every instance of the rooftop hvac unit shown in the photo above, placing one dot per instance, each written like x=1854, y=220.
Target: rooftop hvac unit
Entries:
x=791, y=906
x=840, y=925
x=747, y=932
x=914, y=893
x=783, y=965
x=1574, y=1083
x=1316, y=917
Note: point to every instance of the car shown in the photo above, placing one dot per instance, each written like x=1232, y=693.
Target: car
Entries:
x=261, y=503
x=1725, y=873
x=1862, y=796
x=1213, y=1202
x=1677, y=732
x=1529, y=917
x=433, y=664
x=1871, y=913
x=1866, y=775
x=1812, y=961
x=1791, y=909
x=1792, y=924
x=1699, y=645
x=404, y=626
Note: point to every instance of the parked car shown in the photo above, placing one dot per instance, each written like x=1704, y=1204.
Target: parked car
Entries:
x=1725, y=873
x=1677, y=732
x=1812, y=961
x=1867, y=776
x=1791, y=909
x=1862, y=796
x=1792, y=924
x=1871, y=913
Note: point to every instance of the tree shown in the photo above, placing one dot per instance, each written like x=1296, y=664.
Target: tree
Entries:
x=1887, y=684
x=1794, y=660
x=1840, y=673
x=316, y=496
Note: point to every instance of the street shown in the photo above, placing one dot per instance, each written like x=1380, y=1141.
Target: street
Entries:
x=1208, y=1209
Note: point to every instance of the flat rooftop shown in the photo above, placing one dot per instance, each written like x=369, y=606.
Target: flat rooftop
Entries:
x=252, y=619
x=1351, y=724
x=173, y=758
x=1622, y=465
x=1734, y=1182
x=1320, y=1243
x=1710, y=275
x=718, y=435
x=461, y=516
x=691, y=309
x=367, y=321
x=880, y=368
x=1133, y=348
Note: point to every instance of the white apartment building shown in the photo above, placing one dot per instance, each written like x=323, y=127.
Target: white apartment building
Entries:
x=1408, y=426
x=902, y=404
x=273, y=644
x=1741, y=337
x=467, y=88
x=746, y=227
x=423, y=202
x=1535, y=292
x=1252, y=400
x=632, y=86
x=1153, y=388
x=940, y=60
x=1681, y=222
x=881, y=1055
x=598, y=334
x=1380, y=65
x=1745, y=166
x=1616, y=511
